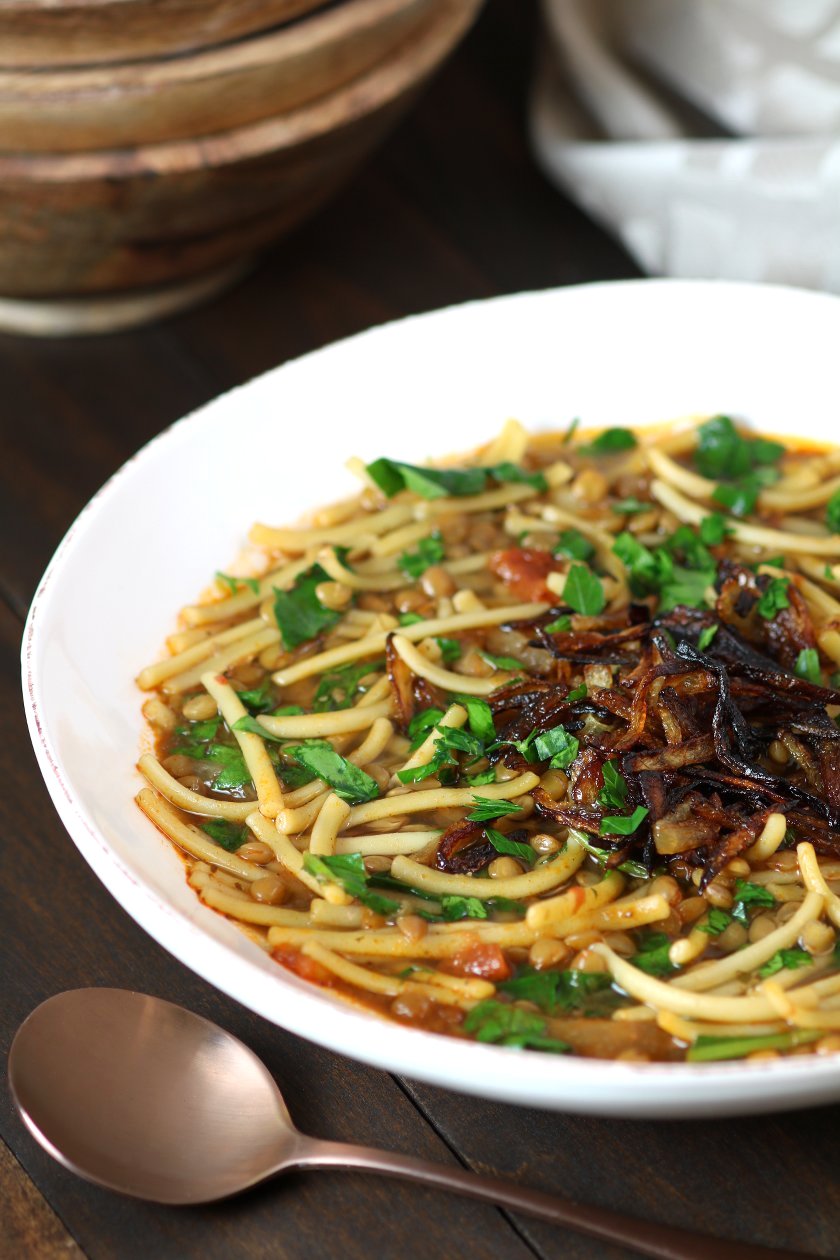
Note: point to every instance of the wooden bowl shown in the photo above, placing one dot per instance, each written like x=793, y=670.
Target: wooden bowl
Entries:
x=219, y=89
x=119, y=220
x=41, y=33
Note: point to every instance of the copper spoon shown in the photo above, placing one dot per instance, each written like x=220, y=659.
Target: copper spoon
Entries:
x=146, y=1098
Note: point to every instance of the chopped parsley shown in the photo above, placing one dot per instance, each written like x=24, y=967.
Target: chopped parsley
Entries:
x=512, y=848
x=420, y=725
x=227, y=835
x=453, y=908
x=714, y=529
x=251, y=726
x=450, y=650
x=774, y=598
x=724, y=453
x=391, y=476
x=557, y=747
x=659, y=572
x=610, y=442
x=505, y=1025
x=348, y=871
x=429, y=551
x=748, y=895
x=708, y=1049
x=339, y=687
x=560, y=625
x=554, y=991
x=235, y=584
x=832, y=513
x=258, y=700
x=717, y=921
x=653, y=956
x=299, y=613
x=808, y=666
x=624, y=825
x=578, y=693
x=345, y=779
x=630, y=506
x=486, y=810
x=479, y=716
x=705, y=637
x=450, y=740
x=573, y=544
x=234, y=772
x=500, y=662
x=583, y=591
x=614, y=792
x=785, y=958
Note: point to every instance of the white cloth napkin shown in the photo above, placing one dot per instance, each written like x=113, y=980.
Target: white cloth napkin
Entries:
x=704, y=133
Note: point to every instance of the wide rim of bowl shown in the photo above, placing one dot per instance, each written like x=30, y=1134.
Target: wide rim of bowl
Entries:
x=405, y=68
x=572, y=1083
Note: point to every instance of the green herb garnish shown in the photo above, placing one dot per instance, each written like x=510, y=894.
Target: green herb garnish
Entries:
x=507, y=1025
x=746, y=895
x=808, y=666
x=226, y=834
x=832, y=513
x=610, y=442
x=429, y=551
x=785, y=958
x=485, y=809
x=299, y=613
x=723, y=452
x=583, y=591
x=554, y=991
x=557, y=747
x=614, y=792
x=560, y=625
x=774, y=598
x=235, y=584
x=391, y=476
x=714, y=529
x=348, y=871
x=624, y=825
x=250, y=725
x=479, y=716
x=512, y=848
x=717, y=921
x=705, y=637
x=630, y=506
x=708, y=1049
x=339, y=687
x=654, y=956
x=573, y=544
x=345, y=779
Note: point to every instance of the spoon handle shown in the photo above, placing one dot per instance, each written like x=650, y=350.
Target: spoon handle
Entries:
x=665, y=1242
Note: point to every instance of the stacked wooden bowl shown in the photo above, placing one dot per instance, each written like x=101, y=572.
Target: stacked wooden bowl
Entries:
x=153, y=180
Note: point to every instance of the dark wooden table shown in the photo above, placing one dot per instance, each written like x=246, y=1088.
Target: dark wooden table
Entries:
x=451, y=209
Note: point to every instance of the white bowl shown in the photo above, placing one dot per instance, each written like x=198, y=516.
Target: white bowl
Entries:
x=149, y=541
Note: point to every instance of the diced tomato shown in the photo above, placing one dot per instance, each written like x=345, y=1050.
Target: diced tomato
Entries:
x=479, y=959
x=306, y=968
x=524, y=570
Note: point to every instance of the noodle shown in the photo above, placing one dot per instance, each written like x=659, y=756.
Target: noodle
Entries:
x=499, y=750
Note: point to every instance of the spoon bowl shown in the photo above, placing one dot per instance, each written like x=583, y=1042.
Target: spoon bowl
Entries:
x=146, y=1098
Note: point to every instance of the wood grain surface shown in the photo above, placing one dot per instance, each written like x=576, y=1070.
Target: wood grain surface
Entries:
x=203, y=93
x=131, y=218
x=451, y=210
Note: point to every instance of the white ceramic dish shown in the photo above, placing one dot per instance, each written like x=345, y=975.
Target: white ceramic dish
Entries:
x=151, y=538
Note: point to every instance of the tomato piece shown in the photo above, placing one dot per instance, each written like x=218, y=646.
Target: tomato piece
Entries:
x=484, y=960
x=524, y=570
x=306, y=968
